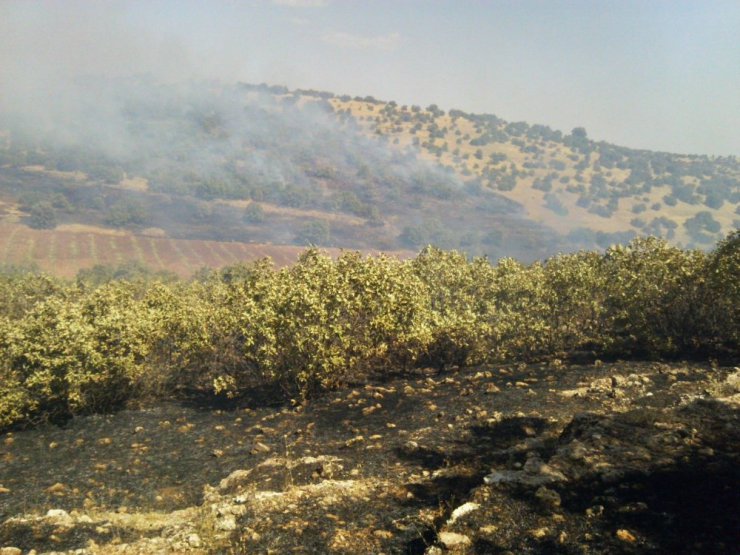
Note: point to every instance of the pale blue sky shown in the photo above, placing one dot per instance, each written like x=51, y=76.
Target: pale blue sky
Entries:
x=663, y=75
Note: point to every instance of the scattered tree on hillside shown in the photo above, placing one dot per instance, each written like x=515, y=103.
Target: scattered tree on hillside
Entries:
x=42, y=216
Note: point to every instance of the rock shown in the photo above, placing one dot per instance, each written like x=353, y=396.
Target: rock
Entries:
x=138, y=429
x=462, y=510
x=367, y=411
x=601, y=384
x=353, y=441
x=626, y=536
x=227, y=524
x=491, y=388
x=260, y=447
x=10, y=551
x=733, y=381
x=539, y=533
x=234, y=479
x=535, y=473
x=56, y=489
x=488, y=529
x=194, y=540
x=411, y=446
x=383, y=534
x=452, y=540
x=4, y=490
x=59, y=516
x=105, y=441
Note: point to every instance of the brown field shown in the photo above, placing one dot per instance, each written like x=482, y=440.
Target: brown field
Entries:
x=63, y=252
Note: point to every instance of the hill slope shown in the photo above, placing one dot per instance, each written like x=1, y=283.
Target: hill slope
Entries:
x=567, y=181
x=266, y=165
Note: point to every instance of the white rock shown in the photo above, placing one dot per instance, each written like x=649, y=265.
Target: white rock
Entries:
x=462, y=510
x=733, y=380
x=451, y=539
x=58, y=514
x=227, y=524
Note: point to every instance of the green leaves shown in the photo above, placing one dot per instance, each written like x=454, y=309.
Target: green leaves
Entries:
x=67, y=349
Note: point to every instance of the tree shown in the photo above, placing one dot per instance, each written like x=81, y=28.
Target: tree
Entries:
x=254, y=214
x=579, y=133
x=316, y=232
x=411, y=237
x=43, y=216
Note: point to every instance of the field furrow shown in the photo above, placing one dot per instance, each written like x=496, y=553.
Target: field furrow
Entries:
x=65, y=252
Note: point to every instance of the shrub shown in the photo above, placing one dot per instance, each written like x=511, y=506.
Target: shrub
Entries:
x=69, y=349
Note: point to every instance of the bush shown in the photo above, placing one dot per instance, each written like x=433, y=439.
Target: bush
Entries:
x=648, y=299
x=43, y=216
x=317, y=232
x=68, y=349
x=69, y=356
x=254, y=213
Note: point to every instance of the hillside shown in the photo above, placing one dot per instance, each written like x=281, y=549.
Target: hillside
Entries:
x=366, y=404
x=253, y=164
x=568, y=182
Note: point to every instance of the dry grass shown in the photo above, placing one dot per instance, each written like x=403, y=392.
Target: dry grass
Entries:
x=370, y=118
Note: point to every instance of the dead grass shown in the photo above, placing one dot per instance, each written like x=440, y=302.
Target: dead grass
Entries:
x=366, y=115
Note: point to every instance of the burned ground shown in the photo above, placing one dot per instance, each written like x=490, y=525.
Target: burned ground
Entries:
x=623, y=457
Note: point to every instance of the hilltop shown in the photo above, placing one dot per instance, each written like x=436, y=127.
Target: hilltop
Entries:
x=267, y=166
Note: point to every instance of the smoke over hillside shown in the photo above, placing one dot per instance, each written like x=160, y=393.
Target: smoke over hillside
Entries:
x=107, y=121
x=208, y=150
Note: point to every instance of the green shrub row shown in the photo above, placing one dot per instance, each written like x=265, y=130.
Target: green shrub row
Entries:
x=69, y=348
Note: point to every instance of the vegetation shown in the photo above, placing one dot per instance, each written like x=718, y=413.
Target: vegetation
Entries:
x=69, y=348
x=265, y=164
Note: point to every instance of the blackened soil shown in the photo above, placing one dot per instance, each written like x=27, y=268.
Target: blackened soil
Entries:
x=646, y=456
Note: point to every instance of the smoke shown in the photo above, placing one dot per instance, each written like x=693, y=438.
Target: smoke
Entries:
x=92, y=88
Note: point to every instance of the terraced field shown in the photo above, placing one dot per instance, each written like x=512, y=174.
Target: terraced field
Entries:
x=64, y=253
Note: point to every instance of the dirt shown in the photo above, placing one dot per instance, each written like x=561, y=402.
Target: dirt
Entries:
x=625, y=457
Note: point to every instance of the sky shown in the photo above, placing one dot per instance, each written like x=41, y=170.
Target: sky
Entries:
x=654, y=74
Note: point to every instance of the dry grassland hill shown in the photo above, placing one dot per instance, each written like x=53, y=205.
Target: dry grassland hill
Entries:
x=233, y=168
x=577, y=186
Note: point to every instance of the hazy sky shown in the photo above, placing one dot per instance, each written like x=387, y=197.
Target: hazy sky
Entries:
x=663, y=75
